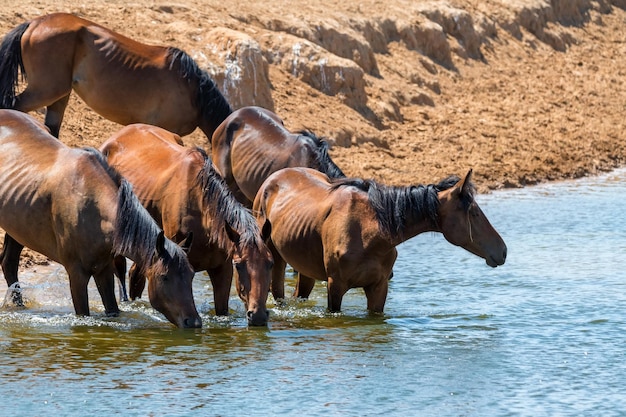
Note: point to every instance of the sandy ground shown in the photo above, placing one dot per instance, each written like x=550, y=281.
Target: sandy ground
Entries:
x=522, y=91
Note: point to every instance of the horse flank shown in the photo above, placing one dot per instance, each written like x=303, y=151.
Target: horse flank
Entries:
x=221, y=206
x=394, y=204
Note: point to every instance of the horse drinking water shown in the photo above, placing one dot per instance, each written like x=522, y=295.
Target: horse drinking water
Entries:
x=252, y=143
x=69, y=205
x=184, y=193
x=121, y=79
x=345, y=231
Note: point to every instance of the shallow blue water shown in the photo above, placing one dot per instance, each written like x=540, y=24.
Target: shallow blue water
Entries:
x=542, y=335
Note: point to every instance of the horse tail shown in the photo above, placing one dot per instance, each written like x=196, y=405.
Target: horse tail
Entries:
x=11, y=64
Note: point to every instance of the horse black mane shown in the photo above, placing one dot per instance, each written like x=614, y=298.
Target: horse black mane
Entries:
x=223, y=208
x=322, y=157
x=392, y=204
x=211, y=101
x=135, y=230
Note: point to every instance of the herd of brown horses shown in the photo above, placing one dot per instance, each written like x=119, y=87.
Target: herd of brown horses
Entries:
x=265, y=198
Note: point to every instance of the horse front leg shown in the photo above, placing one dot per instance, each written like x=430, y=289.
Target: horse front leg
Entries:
x=221, y=280
x=304, y=286
x=10, y=260
x=78, y=288
x=105, y=282
x=336, y=290
x=377, y=295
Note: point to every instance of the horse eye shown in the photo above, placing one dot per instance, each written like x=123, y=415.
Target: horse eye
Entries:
x=163, y=277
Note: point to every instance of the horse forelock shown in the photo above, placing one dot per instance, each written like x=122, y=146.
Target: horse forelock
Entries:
x=210, y=100
x=322, y=157
x=221, y=207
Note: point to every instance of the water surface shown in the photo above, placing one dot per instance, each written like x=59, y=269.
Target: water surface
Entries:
x=542, y=335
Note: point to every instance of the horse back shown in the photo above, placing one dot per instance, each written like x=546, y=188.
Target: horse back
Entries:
x=250, y=145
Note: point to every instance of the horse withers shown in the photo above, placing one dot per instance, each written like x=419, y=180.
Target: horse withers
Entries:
x=182, y=191
x=252, y=143
x=69, y=205
x=345, y=231
x=121, y=79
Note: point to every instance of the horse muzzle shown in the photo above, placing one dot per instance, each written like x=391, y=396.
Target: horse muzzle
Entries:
x=258, y=318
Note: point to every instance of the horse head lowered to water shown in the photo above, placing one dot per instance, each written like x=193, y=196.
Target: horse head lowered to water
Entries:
x=69, y=205
x=345, y=231
x=252, y=143
x=121, y=79
x=183, y=192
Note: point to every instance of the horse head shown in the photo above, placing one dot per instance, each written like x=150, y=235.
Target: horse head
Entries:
x=169, y=282
x=253, y=265
x=463, y=223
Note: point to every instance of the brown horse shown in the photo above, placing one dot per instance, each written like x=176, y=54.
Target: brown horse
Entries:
x=252, y=143
x=121, y=79
x=345, y=231
x=69, y=205
x=183, y=192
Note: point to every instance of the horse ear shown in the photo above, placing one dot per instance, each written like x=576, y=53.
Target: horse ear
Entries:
x=233, y=235
x=466, y=185
x=160, y=244
x=266, y=231
x=186, y=243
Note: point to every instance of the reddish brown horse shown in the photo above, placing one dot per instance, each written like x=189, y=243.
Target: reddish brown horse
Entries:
x=345, y=231
x=252, y=143
x=69, y=205
x=123, y=80
x=183, y=192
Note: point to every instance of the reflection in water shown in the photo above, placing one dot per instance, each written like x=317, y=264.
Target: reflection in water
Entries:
x=541, y=335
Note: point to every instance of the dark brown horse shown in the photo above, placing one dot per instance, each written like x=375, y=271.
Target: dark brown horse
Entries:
x=252, y=143
x=121, y=79
x=183, y=192
x=345, y=231
x=69, y=205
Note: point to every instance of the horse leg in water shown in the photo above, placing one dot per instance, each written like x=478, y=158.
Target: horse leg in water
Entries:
x=120, y=271
x=79, y=279
x=105, y=281
x=277, y=286
x=336, y=291
x=136, y=282
x=221, y=279
x=10, y=259
x=376, y=295
x=304, y=286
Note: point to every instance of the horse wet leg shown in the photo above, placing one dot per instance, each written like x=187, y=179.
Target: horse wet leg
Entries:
x=221, y=280
x=304, y=286
x=277, y=286
x=119, y=263
x=105, y=282
x=336, y=291
x=10, y=259
x=78, y=288
x=377, y=295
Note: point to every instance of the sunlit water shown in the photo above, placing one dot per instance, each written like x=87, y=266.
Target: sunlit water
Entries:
x=543, y=335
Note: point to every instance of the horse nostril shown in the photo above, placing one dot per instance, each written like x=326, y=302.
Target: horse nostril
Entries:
x=249, y=314
x=192, y=322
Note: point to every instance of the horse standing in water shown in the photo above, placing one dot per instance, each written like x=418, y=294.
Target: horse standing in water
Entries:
x=183, y=192
x=121, y=79
x=252, y=143
x=69, y=205
x=345, y=231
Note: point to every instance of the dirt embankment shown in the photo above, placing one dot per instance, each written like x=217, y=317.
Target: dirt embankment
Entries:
x=407, y=91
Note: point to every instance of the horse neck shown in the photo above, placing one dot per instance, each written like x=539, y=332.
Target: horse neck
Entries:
x=414, y=225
